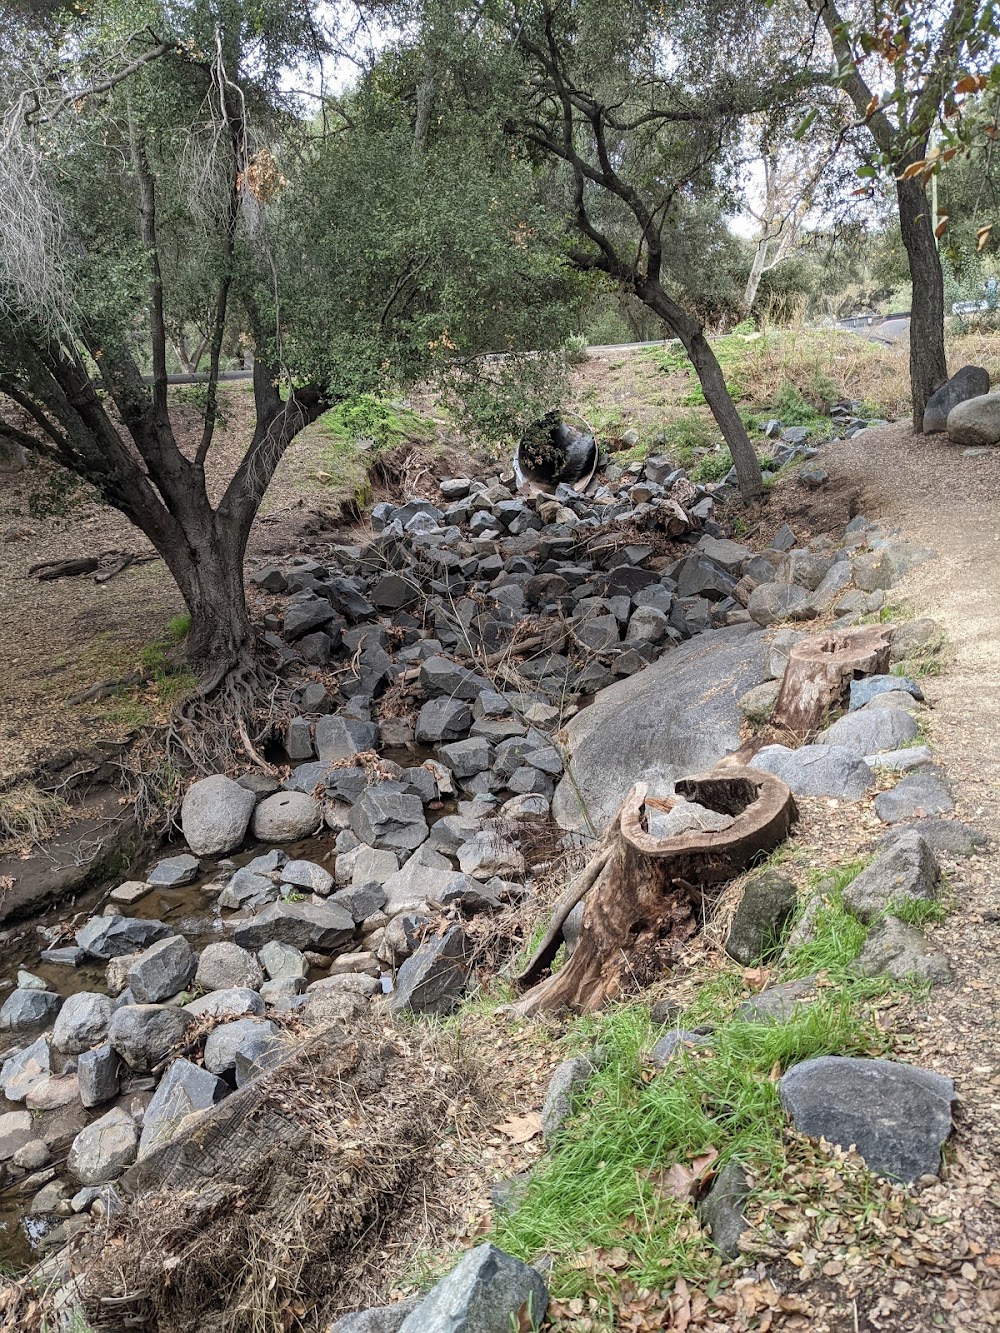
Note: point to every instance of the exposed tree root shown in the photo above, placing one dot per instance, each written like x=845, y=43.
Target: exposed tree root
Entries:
x=223, y=729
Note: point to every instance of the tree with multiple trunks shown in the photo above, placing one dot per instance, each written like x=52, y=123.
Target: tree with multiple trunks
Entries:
x=153, y=166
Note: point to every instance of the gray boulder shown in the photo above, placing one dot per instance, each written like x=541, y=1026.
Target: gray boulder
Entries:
x=144, y=1034
x=773, y=602
x=340, y=738
x=486, y=1292
x=28, y=1010
x=870, y=687
x=258, y=1052
x=886, y=565
x=433, y=978
x=667, y=1046
x=778, y=1003
x=946, y=835
x=282, y=961
x=286, y=816
x=82, y=1022
x=230, y=1002
x=439, y=675
x=897, y=1116
x=16, y=1130
x=215, y=815
x=976, y=421
x=162, y=970
x=381, y=1319
x=307, y=875
x=757, y=704
x=103, y=1150
x=969, y=382
x=676, y=717
x=174, y=872
x=27, y=1070
x=721, y=1210
x=871, y=730
x=903, y=871
x=224, y=965
x=224, y=1042
x=565, y=1089
x=917, y=795
x=443, y=719
x=97, y=1072
x=898, y=950
x=324, y=926
x=387, y=817
x=817, y=770
x=185, y=1087
x=108, y=937
x=768, y=902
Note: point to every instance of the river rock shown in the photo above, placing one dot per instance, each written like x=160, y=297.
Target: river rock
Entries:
x=174, y=872
x=224, y=965
x=433, y=978
x=144, y=1034
x=898, y=950
x=230, y=1002
x=380, y=1319
x=215, y=814
x=568, y=1081
x=969, y=382
x=29, y=1010
x=102, y=1151
x=185, y=1087
x=768, y=902
x=287, y=816
x=98, y=1072
x=773, y=602
x=323, y=926
x=282, y=961
x=976, y=421
x=386, y=817
x=21, y=1072
x=917, y=795
x=867, y=688
x=721, y=1210
x=871, y=730
x=441, y=676
x=339, y=738
x=817, y=770
x=224, y=1042
x=82, y=1022
x=107, y=937
x=675, y=718
x=904, y=870
x=16, y=1129
x=487, y=1292
x=162, y=970
x=258, y=1052
x=897, y=1116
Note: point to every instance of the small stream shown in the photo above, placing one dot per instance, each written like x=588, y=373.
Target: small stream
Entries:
x=191, y=911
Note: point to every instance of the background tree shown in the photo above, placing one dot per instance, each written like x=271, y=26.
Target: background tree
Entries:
x=640, y=108
x=903, y=70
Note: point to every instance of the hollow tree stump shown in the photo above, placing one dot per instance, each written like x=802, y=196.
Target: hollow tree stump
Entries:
x=817, y=679
x=648, y=894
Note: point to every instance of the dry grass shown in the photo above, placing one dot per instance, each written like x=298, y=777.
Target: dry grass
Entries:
x=28, y=814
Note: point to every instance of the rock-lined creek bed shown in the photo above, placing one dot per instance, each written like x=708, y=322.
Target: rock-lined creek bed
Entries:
x=443, y=668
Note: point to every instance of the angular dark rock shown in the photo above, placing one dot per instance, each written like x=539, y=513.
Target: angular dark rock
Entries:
x=768, y=902
x=432, y=979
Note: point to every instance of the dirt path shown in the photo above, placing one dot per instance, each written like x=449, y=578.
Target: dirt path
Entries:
x=938, y=497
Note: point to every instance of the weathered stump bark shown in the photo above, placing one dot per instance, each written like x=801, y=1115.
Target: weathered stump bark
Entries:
x=647, y=896
x=818, y=677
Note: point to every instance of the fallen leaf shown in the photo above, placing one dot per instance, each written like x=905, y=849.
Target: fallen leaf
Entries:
x=519, y=1129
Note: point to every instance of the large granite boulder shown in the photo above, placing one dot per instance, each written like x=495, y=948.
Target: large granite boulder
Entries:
x=969, y=382
x=215, y=815
x=976, y=421
x=486, y=1292
x=184, y=1088
x=103, y=1150
x=678, y=717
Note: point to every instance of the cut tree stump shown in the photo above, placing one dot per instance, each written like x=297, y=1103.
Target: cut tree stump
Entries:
x=817, y=679
x=646, y=895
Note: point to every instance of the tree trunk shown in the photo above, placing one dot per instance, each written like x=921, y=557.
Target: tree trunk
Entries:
x=221, y=637
x=756, y=272
x=928, y=363
x=648, y=897
x=713, y=383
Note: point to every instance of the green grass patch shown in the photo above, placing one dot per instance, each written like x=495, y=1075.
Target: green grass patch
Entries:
x=602, y=1186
